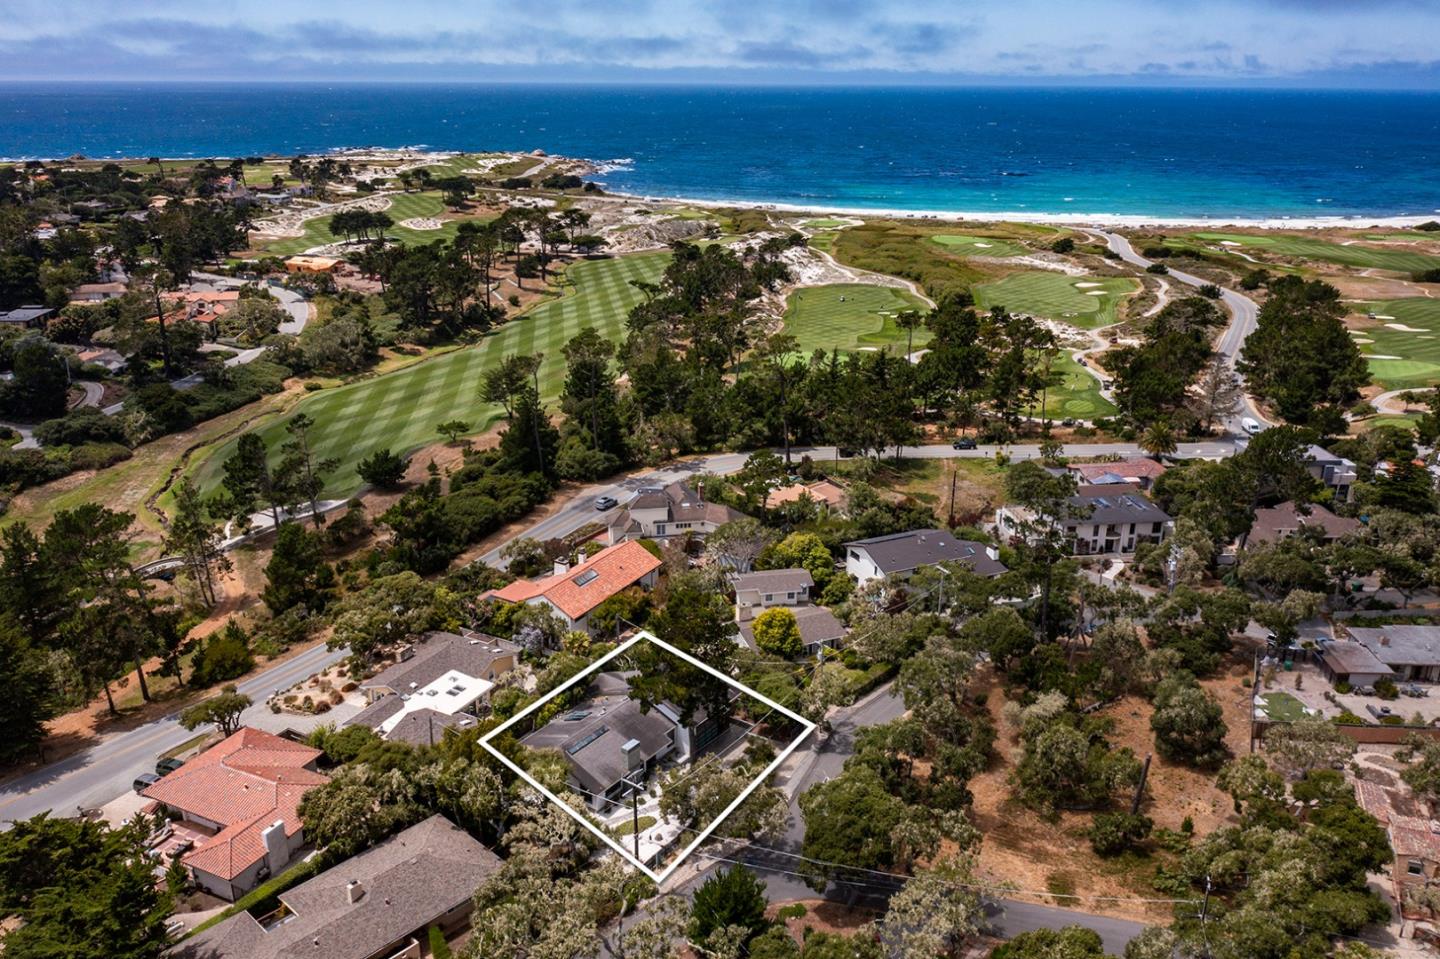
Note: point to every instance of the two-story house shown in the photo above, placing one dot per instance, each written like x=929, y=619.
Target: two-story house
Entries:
x=1099, y=520
x=673, y=510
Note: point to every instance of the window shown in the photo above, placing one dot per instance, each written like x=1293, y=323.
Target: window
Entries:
x=1415, y=867
x=769, y=597
x=789, y=595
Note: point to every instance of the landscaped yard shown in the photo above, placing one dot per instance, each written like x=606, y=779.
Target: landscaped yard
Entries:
x=1309, y=248
x=403, y=206
x=851, y=316
x=1402, y=342
x=1283, y=707
x=978, y=245
x=400, y=410
x=1088, y=302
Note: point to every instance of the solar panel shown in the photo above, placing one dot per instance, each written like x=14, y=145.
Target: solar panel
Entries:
x=587, y=740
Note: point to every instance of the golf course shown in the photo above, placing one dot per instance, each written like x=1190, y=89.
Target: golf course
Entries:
x=1308, y=248
x=1088, y=302
x=403, y=206
x=851, y=316
x=1074, y=392
x=1401, y=342
x=400, y=410
x=978, y=245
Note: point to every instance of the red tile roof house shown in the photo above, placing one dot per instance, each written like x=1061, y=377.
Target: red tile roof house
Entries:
x=574, y=593
x=1138, y=470
x=243, y=792
x=1415, y=840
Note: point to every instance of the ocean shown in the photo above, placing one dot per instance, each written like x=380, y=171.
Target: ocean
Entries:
x=1161, y=153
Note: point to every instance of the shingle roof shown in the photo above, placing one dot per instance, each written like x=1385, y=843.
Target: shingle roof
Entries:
x=245, y=782
x=1280, y=521
x=681, y=503
x=774, y=580
x=1117, y=504
x=817, y=625
x=409, y=880
x=589, y=584
x=902, y=552
x=601, y=727
x=1401, y=645
x=437, y=654
x=1137, y=468
x=1348, y=658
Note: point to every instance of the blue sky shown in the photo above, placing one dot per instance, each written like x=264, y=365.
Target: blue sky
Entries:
x=1360, y=43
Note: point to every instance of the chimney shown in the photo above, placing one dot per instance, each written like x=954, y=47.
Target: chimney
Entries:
x=562, y=565
x=631, y=752
x=1384, y=639
x=993, y=552
x=277, y=850
x=354, y=891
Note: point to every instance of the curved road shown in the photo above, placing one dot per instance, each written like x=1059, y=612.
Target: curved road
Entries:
x=1243, y=315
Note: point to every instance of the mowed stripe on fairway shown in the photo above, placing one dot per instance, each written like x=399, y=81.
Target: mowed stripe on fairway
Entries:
x=400, y=410
x=850, y=316
x=1088, y=302
x=1415, y=356
x=403, y=206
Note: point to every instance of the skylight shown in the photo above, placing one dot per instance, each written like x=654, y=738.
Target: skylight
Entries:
x=586, y=577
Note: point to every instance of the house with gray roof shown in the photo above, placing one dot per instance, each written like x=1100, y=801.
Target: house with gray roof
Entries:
x=1412, y=653
x=441, y=682
x=758, y=591
x=900, y=554
x=818, y=628
x=1277, y=522
x=377, y=905
x=1335, y=472
x=25, y=317
x=1100, y=520
x=674, y=510
x=609, y=740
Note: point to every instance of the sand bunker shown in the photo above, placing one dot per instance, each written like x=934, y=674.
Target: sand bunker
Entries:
x=1085, y=286
x=1383, y=356
x=422, y=223
x=1361, y=339
x=1094, y=292
x=1403, y=328
x=1382, y=316
x=984, y=245
x=1231, y=243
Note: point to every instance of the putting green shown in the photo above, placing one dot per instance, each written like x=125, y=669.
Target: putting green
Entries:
x=400, y=410
x=850, y=317
x=979, y=245
x=1309, y=248
x=1402, y=359
x=1088, y=302
x=1074, y=392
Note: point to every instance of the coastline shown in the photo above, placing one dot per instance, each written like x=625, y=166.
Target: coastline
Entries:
x=1123, y=220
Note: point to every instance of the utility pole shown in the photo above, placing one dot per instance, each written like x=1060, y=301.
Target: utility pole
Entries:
x=1140, y=786
x=1204, y=915
x=635, y=816
x=954, y=473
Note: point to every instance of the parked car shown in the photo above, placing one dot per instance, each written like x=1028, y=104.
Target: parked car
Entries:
x=168, y=765
x=964, y=443
x=603, y=503
x=1250, y=425
x=145, y=781
x=1068, y=421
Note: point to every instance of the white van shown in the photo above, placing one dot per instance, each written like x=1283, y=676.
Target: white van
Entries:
x=1250, y=426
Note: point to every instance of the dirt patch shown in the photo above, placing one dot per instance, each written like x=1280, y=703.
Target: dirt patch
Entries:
x=1374, y=287
x=1054, y=857
x=822, y=915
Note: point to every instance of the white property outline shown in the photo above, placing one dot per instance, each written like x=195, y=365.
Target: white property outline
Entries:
x=584, y=820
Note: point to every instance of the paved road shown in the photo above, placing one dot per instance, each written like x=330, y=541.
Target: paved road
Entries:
x=580, y=510
x=107, y=768
x=777, y=865
x=93, y=393
x=1243, y=314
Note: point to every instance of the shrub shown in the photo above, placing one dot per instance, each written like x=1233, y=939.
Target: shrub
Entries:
x=1386, y=689
x=1427, y=276
x=1210, y=291
x=383, y=469
x=1063, y=245
x=1158, y=268
x=224, y=656
x=439, y=948
x=1114, y=832
x=1342, y=687
x=97, y=456
x=83, y=425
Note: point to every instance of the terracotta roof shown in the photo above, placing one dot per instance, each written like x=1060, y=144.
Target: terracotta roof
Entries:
x=246, y=782
x=589, y=584
x=822, y=491
x=1414, y=837
x=1132, y=469
x=1374, y=799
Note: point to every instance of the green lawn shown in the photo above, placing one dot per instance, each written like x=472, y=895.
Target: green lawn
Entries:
x=400, y=410
x=1309, y=248
x=1057, y=296
x=1283, y=707
x=403, y=206
x=1074, y=393
x=1400, y=359
x=850, y=316
x=826, y=223
x=978, y=245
